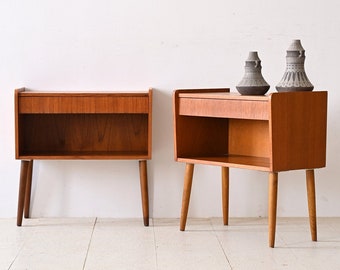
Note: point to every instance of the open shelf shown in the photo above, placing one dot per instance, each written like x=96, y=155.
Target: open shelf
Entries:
x=83, y=134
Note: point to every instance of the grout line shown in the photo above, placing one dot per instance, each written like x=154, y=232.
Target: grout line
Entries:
x=154, y=238
x=88, y=248
x=22, y=247
x=16, y=256
x=219, y=242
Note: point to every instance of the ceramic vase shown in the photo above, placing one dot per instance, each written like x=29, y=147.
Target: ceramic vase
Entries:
x=295, y=78
x=253, y=82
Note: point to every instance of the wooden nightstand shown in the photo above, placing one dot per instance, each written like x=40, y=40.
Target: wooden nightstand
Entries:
x=273, y=133
x=81, y=125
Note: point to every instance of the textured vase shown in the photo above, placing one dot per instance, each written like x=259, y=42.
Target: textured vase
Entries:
x=295, y=78
x=253, y=82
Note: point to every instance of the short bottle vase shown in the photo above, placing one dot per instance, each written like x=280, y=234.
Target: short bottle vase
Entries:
x=253, y=82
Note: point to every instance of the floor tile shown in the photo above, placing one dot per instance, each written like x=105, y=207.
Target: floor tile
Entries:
x=121, y=244
x=55, y=244
x=12, y=239
x=246, y=244
x=90, y=243
x=195, y=248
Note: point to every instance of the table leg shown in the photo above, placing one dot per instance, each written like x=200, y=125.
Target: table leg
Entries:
x=310, y=181
x=272, y=205
x=225, y=194
x=144, y=190
x=22, y=190
x=189, y=171
x=28, y=190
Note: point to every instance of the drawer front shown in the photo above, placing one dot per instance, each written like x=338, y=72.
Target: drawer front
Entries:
x=83, y=104
x=225, y=108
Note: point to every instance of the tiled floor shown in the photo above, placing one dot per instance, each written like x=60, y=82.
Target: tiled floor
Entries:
x=90, y=243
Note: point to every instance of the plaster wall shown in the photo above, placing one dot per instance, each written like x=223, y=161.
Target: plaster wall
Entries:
x=165, y=44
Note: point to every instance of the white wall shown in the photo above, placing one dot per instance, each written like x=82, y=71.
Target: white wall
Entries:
x=164, y=44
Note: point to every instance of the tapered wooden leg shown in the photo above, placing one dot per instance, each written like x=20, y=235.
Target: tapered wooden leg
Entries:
x=28, y=190
x=189, y=171
x=22, y=190
x=144, y=190
x=225, y=194
x=272, y=205
x=310, y=181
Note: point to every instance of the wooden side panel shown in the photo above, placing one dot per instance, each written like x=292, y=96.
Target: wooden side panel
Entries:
x=150, y=97
x=202, y=136
x=298, y=130
x=18, y=141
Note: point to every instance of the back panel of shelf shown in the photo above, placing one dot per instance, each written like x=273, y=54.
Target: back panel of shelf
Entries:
x=249, y=138
x=83, y=135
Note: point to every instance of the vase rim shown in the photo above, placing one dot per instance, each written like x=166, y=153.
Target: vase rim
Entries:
x=253, y=56
x=295, y=45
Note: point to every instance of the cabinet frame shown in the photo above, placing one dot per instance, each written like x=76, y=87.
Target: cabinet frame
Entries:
x=81, y=125
x=273, y=133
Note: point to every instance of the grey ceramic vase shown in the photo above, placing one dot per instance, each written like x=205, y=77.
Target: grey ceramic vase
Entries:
x=253, y=82
x=295, y=78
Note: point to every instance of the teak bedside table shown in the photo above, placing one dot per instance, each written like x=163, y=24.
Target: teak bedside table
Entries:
x=274, y=133
x=81, y=125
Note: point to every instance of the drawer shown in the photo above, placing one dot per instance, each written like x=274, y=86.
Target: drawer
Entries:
x=225, y=108
x=83, y=103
